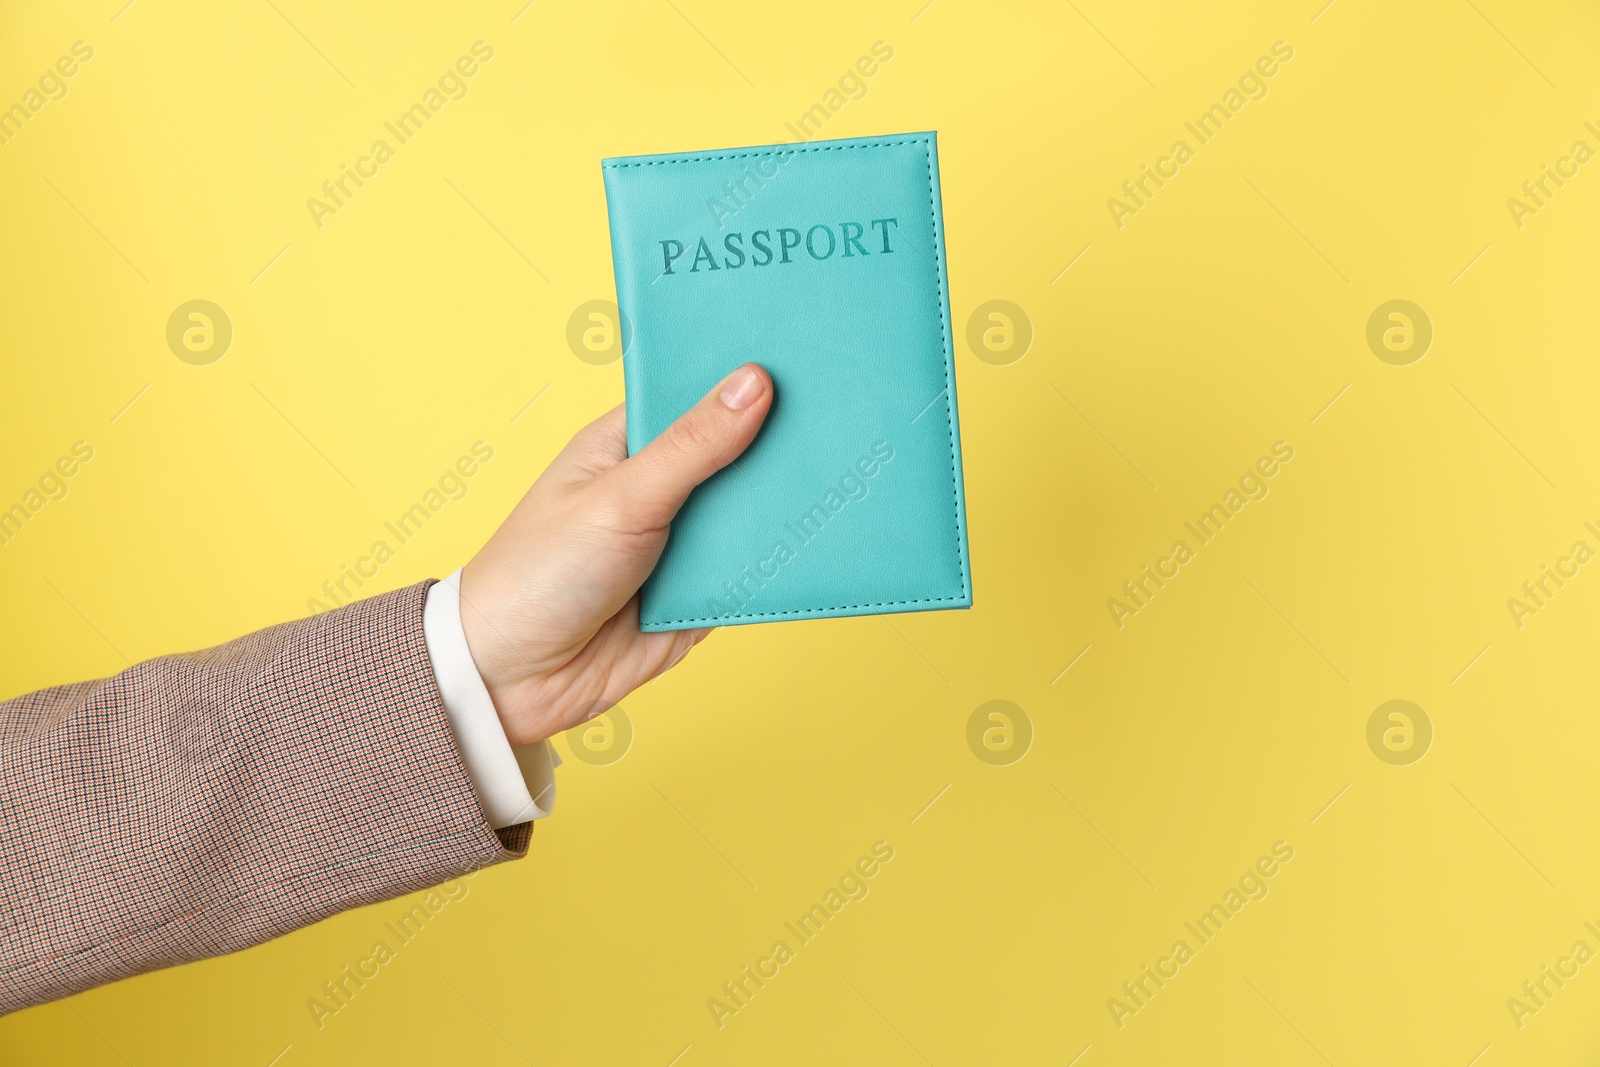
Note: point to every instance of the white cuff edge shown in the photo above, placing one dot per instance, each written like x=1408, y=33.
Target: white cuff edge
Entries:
x=514, y=785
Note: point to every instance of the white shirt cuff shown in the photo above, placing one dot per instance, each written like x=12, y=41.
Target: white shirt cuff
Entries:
x=513, y=785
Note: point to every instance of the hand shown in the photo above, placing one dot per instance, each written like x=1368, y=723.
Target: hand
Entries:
x=551, y=604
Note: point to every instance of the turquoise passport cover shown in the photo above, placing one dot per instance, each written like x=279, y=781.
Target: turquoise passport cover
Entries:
x=825, y=263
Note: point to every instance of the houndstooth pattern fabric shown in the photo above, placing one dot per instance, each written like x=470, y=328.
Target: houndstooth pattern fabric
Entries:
x=198, y=804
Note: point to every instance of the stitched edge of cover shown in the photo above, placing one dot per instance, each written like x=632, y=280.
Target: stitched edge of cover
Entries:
x=944, y=348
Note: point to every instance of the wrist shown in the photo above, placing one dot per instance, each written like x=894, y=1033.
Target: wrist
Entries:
x=504, y=777
x=482, y=646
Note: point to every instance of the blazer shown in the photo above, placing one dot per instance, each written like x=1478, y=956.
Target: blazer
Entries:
x=202, y=803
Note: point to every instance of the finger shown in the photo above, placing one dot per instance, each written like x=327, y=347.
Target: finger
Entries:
x=597, y=447
x=664, y=651
x=706, y=438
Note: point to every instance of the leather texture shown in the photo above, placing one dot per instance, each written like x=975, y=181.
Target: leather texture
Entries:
x=850, y=501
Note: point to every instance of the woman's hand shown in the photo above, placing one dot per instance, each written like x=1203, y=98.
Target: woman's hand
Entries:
x=551, y=604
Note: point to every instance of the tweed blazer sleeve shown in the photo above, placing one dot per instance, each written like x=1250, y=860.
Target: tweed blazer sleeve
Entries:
x=198, y=804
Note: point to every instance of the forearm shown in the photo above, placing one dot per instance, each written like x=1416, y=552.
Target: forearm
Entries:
x=195, y=805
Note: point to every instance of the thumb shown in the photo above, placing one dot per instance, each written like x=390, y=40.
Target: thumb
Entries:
x=709, y=436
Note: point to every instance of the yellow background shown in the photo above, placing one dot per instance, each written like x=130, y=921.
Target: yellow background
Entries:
x=1223, y=317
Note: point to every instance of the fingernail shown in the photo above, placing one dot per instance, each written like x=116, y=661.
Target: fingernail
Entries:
x=743, y=388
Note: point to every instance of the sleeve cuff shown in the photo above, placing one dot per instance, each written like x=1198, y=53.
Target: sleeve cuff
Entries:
x=513, y=785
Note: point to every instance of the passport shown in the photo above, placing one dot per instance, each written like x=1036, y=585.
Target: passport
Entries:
x=823, y=261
